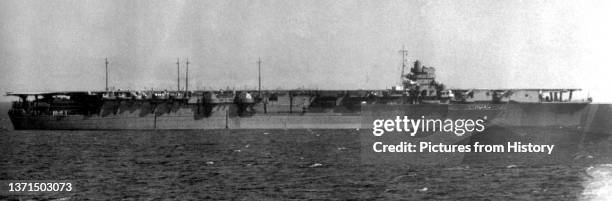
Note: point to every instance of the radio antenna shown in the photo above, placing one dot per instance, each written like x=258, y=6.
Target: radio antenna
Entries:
x=178, y=75
x=187, y=76
x=259, y=74
x=106, y=64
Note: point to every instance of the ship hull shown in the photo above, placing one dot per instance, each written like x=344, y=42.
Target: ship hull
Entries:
x=129, y=116
x=78, y=122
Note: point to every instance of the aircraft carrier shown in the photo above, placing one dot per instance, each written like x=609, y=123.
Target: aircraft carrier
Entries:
x=418, y=95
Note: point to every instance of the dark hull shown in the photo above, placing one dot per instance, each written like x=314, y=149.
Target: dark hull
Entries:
x=120, y=116
x=144, y=115
x=174, y=122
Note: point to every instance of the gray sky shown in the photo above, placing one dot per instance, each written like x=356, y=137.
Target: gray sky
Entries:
x=61, y=45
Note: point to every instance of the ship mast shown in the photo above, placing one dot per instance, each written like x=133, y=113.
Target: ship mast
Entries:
x=259, y=74
x=106, y=64
x=404, y=53
x=178, y=75
x=187, y=76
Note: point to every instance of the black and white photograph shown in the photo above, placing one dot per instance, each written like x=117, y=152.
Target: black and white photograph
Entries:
x=305, y=100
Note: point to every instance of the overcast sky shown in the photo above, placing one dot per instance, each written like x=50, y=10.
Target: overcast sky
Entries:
x=61, y=45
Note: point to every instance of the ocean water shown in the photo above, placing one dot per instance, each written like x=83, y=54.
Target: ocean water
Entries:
x=268, y=165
